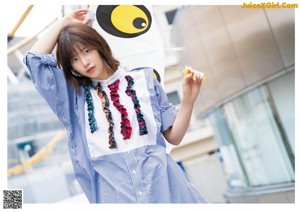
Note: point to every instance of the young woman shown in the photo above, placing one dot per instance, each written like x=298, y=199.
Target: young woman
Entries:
x=118, y=121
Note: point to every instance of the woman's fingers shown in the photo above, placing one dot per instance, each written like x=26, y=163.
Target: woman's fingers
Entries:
x=89, y=18
x=81, y=11
x=192, y=74
x=195, y=75
x=80, y=14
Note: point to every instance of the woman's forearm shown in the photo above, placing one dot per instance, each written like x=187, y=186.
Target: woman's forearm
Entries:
x=49, y=37
x=175, y=134
x=48, y=41
x=191, y=87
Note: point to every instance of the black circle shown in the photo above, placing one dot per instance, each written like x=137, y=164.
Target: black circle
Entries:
x=139, y=23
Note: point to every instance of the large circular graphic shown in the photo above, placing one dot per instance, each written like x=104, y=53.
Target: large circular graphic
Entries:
x=125, y=21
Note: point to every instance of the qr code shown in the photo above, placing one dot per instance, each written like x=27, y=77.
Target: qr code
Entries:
x=12, y=199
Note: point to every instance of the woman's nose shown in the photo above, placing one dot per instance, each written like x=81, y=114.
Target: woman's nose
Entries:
x=85, y=61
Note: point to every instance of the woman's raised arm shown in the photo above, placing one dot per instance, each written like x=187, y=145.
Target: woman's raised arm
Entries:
x=49, y=37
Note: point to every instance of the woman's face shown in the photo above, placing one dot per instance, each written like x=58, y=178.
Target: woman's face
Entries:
x=88, y=62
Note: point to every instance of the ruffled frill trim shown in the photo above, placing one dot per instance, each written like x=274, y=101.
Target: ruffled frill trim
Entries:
x=105, y=106
x=132, y=93
x=90, y=108
x=126, y=129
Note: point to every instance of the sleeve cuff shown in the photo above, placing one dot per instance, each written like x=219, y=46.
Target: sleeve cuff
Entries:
x=168, y=117
x=47, y=59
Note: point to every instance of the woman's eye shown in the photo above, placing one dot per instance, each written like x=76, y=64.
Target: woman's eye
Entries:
x=86, y=51
x=74, y=60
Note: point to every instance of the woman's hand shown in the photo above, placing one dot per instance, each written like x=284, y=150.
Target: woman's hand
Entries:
x=80, y=15
x=191, y=86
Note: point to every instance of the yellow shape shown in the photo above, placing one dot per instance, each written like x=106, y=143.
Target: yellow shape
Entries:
x=123, y=17
x=187, y=69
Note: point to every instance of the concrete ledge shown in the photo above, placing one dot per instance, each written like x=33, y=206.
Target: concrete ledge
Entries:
x=283, y=193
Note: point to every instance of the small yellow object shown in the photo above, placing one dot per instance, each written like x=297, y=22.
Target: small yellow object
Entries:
x=187, y=69
x=202, y=76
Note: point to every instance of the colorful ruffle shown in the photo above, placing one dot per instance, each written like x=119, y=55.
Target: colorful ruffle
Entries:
x=126, y=129
x=90, y=108
x=132, y=93
x=106, y=110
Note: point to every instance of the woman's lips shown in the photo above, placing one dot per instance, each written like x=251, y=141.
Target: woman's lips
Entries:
x=91, y=69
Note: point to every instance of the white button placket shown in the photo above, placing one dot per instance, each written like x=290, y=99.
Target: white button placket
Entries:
x=136, y=178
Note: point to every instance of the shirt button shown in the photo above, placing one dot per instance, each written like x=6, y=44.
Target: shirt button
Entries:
x=128, y=152
x=133, y=172
x=140, y=193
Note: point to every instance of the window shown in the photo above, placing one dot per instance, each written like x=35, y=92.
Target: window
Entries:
x=252, y=144
x=170, y=16
x=174, y=98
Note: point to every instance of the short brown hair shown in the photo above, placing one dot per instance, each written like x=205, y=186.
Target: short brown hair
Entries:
x=78, y=33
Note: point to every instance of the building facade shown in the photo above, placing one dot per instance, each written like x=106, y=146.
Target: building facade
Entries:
x=248, y=97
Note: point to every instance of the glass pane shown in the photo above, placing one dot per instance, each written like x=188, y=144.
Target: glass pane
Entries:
x=258, y=139
x=173, y=97
x=283, y=94
x=229, y=157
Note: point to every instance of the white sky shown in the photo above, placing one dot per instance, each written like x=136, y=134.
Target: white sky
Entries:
x=37, y=19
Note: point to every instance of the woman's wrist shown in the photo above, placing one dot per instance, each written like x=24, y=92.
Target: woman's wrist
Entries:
x=187, y=103
x=65, y=21
x=187, y=100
